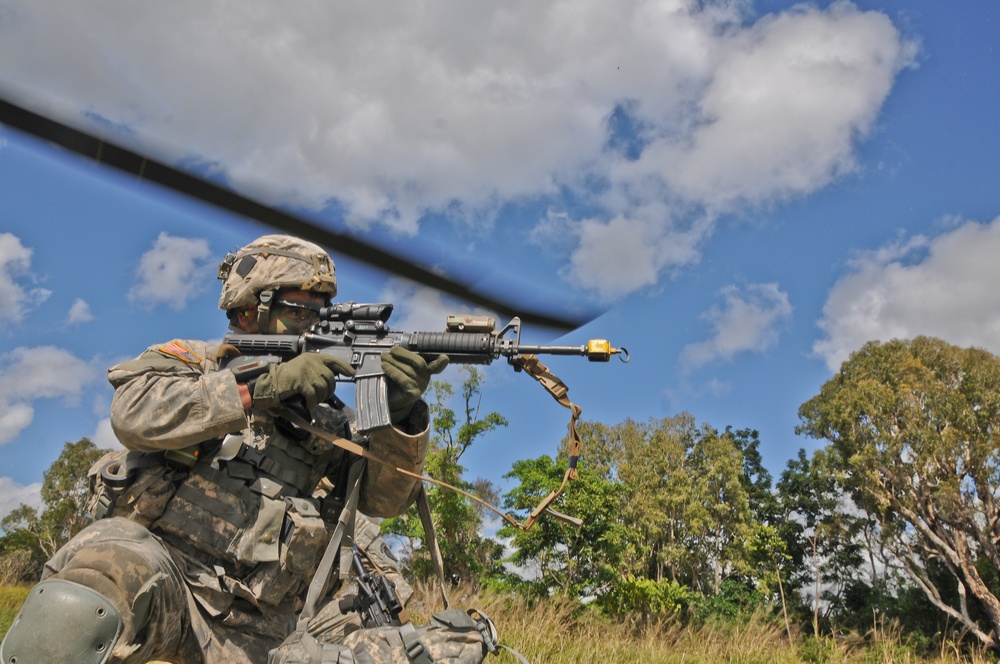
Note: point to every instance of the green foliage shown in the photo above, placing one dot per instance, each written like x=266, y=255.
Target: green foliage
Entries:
x=815, y=650
x=468, y=556
x=692, y=497
x=21, y=558
x=735, y=600
x=912, y=429
x=454, y=438
x=824, y=537
x=64, y=497
x=557, y=557
x=645, y=600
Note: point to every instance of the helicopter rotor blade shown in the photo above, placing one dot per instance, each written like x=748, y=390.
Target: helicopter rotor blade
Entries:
x=145, y=168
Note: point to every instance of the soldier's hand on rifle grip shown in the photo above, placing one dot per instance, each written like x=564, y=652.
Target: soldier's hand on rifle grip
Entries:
x=311, y=376
x=407, y=377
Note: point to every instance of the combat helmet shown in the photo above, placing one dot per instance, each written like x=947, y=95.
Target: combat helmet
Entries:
x=253, y=274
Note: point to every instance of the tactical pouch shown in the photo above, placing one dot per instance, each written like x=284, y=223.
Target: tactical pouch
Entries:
x=303, y=648
x=134, y=485
x=303, y=538
x=211, y=513
x=451, y=637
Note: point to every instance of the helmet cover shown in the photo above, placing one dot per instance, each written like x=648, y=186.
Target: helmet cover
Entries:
x=274, y=262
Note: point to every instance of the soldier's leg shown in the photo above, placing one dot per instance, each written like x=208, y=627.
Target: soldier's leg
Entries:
x=335, y=635
x=111, y=594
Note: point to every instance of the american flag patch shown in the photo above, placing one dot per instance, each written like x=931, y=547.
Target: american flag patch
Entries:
x=175, y=349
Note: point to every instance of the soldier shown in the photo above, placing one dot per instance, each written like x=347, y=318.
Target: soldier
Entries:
x=209, y=529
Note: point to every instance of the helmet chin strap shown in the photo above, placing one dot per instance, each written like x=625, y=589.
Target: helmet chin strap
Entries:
x=264, y=300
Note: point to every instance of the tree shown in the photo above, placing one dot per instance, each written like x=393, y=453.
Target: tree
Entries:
x=822, y=531
x=467, y=555
x=913, y=427
x=691, y=498
x=64, y=498
x=652, y=468
x=556, y=557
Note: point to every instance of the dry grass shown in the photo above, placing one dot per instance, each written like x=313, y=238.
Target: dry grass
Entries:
x=555, y=632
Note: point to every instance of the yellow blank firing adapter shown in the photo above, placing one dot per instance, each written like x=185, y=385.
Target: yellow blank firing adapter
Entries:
x=600, y=350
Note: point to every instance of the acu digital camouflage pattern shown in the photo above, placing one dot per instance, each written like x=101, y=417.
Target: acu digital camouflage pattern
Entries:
x=273, y=262
x=207, y=563
x=450, y=638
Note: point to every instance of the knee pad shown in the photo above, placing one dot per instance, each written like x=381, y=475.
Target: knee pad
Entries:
x=62, y=621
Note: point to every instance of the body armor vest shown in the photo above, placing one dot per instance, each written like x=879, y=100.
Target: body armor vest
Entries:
x=246, y=506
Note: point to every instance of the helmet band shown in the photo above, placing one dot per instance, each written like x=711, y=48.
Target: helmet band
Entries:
x=264, y=310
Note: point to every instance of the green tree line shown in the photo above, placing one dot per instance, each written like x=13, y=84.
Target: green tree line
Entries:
x=894, y=516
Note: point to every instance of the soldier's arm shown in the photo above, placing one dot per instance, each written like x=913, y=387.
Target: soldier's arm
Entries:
x=385, y=492
x=172, y=397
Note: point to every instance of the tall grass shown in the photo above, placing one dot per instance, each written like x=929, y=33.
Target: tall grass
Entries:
x=557, y=631
x=11, y=599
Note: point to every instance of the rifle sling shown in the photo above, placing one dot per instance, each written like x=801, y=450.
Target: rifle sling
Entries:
x=534, y=368
x=424, y=509
x=346, y=520
x=558, y=389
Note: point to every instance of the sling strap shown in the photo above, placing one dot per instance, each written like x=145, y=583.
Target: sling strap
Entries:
x=344, y=522
x=534, y=368
x=424, y=510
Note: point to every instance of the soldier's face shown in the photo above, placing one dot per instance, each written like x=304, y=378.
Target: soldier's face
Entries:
x=295, y=311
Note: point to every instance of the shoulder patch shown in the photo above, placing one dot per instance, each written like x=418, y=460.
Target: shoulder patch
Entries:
x=175, y=349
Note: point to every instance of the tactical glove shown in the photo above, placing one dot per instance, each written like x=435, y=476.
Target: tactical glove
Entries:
x=407, y=376
x=311, y=376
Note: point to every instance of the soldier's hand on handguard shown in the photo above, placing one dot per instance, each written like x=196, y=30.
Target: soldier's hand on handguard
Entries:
x=311, y=376
x=407, y=376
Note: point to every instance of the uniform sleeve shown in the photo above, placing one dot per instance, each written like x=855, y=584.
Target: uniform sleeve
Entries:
x=173, y=396
x=385, y=492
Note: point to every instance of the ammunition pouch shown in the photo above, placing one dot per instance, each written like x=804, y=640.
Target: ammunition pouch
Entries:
x=303, y=536
x=135, y=485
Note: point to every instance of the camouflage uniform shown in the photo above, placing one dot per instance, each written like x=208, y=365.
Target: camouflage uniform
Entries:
x=211, y=525
x=229, y=544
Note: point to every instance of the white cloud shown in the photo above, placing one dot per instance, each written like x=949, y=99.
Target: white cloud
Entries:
x=14, y=418
x=13, y=495
x=104, y=436
x=461, y=106
x=943, y=287
x=15, y=265
x=624, y=254
x=789, y=98
x=172, y=272
x=79, y=312
x=749, y=320
x=43, y=372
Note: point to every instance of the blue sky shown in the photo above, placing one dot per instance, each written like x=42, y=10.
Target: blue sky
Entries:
x=749, y=191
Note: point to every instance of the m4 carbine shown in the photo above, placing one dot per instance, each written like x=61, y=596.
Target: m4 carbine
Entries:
x=358, y=333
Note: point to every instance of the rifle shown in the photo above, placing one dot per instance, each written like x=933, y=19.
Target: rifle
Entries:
x=359, y=334
x=376, y=601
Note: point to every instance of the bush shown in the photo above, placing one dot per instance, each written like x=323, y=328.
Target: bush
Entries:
x=816, y=651
x=17, y=566
x=735, y=600
x=645, y=600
